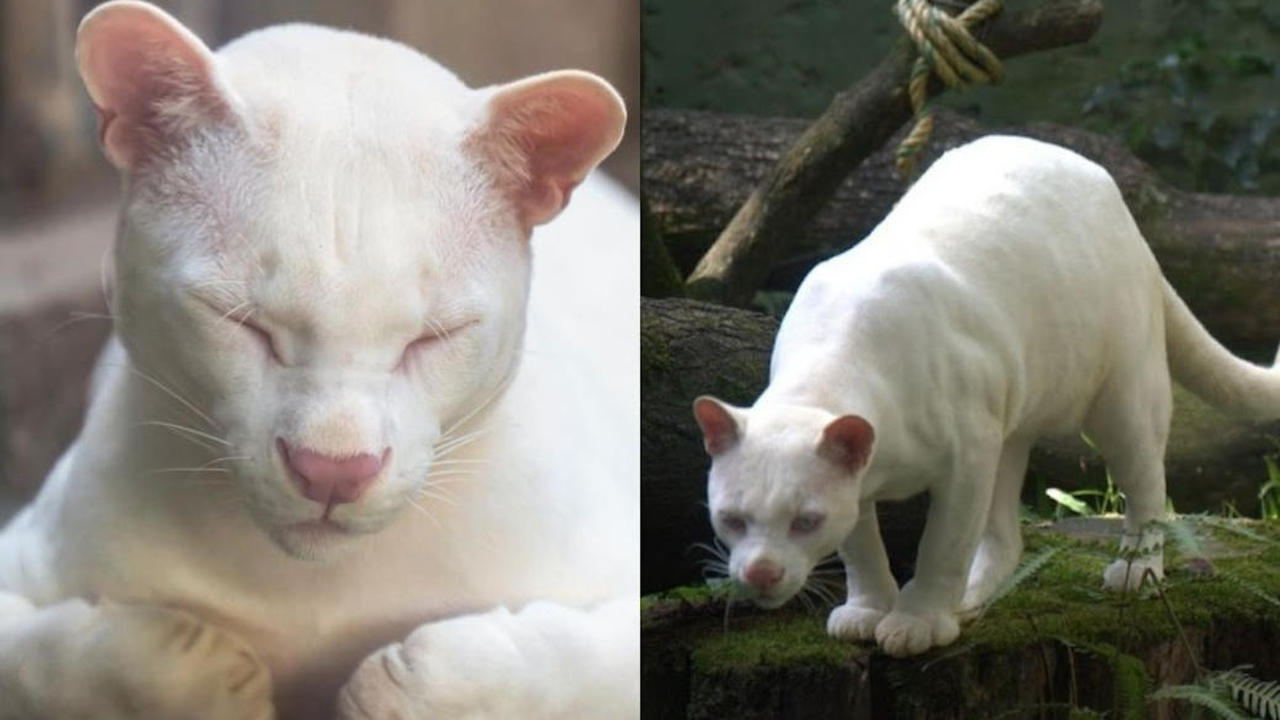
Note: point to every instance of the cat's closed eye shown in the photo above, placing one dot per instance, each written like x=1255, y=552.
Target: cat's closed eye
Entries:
x=418, y=344
x=242, y=319
x=263, y=336
x=437, y=335
x=805, y=523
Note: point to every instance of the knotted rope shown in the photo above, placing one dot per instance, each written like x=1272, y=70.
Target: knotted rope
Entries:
x=948, y=50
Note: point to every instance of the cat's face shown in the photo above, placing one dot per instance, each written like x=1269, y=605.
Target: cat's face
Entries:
x=324, y=249
x=783, y=490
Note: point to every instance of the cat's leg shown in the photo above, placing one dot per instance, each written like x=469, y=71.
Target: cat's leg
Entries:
x=545, y=662
x=1001, y=544
x=872, y=589
x=74, y=661
x=924, y=615
x=1129, y=423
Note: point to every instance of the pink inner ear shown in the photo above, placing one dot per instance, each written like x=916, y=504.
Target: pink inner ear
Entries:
x=719, y=428
x=847, y=440
x=150, y=80
x=546, y=133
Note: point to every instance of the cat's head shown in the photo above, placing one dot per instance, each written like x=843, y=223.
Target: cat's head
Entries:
x=324, y=248
x=783, y=489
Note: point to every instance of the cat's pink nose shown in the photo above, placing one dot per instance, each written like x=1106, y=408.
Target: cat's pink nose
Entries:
x=763, y=574
x=331, y=480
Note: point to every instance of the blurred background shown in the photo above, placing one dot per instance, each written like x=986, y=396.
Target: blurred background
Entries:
x=57, y=194
x=1191, y=86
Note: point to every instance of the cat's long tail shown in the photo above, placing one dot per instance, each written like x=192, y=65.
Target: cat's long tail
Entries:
x=1209, y=370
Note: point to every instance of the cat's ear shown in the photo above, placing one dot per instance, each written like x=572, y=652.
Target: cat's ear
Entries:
x=847, y=441
x=543, y=134
x=151, y=80
x=721, y=429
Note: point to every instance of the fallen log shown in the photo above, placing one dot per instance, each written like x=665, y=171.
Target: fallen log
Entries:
x=1221, y=252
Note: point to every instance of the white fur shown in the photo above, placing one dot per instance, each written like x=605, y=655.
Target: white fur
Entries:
x=346, y=200
x=1007, y=297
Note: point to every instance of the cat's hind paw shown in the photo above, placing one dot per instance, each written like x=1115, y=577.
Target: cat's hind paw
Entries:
x=854, y=622
x=1124, y=575
x=902, y=634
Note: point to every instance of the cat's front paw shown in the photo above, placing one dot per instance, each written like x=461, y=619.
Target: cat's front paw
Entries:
x=181, y=667
x=458, y=668
x=135, y=661
x=1126, y=575
x=901, y=634
x=854, y=622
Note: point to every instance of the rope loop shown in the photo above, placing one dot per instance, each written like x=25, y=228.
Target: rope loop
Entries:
x=948, y=50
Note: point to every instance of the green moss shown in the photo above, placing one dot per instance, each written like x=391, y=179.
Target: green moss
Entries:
x=655, y=354
x=762, y=642
x=1059, y=615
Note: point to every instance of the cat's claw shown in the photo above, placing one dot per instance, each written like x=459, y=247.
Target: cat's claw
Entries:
x=901, y=634
x=1124, y=575
x=854, y=622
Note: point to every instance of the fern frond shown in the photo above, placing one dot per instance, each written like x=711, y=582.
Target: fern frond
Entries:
x=1185, y=537
x=1221, y=706
x=1260, y=697
x=1224, y=524
x=1028, y=567
x=1254, y=589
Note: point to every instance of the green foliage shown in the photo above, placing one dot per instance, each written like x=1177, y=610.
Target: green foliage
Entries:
x=1089, y=501
x=772, y=302
x=1234, y=528
x=1132, y=686
x=1222, y=706
x=1260, y=697
x=1232, y=694
x=1029, y=566
x=1069, y=501
x=1184, y=536
x=1269, y=493
x=1206, y=115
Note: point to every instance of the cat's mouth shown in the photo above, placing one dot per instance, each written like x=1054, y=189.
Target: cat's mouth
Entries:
x=322, y=525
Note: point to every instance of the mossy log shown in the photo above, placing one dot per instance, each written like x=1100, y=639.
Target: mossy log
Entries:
x=858, y=121
x=1056, y=642
x=689, y=348
x=1222, y=253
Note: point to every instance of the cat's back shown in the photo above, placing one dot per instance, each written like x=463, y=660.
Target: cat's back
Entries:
x=1002, y=218
x=1004, y=247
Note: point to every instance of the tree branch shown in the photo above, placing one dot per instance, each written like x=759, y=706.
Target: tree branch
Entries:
x=858, y=121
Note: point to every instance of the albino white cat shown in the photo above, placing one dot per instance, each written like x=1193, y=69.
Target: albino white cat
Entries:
x=1008, y=296
x=329, y=310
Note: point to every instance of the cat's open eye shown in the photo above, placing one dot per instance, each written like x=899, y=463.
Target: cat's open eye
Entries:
x=805, y=523
x=733, y=522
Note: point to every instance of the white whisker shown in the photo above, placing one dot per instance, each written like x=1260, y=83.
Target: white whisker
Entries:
x=462, y=461
x=423, y=510
x=455, y=473
x=175, y=427
x=444, y=449
x=426, y=492
x=173, y=394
